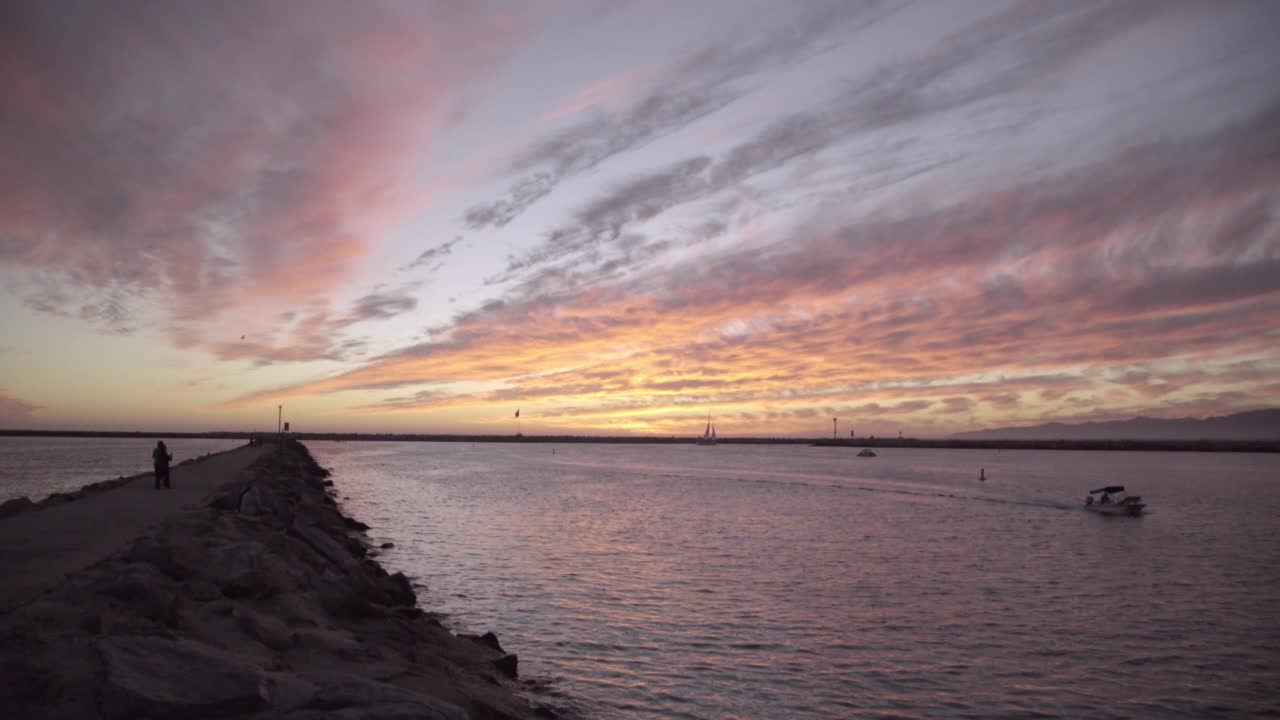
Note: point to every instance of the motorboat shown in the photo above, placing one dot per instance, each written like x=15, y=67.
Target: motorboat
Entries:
x=1113, y=500
x=867, y=452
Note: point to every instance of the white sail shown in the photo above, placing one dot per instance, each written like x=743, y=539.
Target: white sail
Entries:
x=708, y=434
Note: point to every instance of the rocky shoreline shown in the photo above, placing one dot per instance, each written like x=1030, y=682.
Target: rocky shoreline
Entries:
x=265, y=604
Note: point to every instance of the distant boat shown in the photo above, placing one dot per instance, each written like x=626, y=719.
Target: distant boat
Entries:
x=708, y=435
x=1113, y=501
x=867, y=452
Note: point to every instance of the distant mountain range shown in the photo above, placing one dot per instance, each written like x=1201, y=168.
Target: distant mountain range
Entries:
x=1254, y=425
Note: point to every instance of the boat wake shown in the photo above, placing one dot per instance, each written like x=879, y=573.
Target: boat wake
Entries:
x=853, y=484
x=936, y=492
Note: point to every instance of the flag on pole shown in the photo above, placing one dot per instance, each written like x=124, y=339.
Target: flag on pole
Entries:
x=517, y=412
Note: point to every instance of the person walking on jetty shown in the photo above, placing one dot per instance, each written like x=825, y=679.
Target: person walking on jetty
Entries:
x=161, y=456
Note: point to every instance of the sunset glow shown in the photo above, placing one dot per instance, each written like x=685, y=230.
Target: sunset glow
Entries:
x=622, y=217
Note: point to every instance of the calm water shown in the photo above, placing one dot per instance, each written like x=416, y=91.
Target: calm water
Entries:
x=801, y=582
x=38, y=466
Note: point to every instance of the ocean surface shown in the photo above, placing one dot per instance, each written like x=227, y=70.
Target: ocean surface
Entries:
x=35, y=467
x=675, y=581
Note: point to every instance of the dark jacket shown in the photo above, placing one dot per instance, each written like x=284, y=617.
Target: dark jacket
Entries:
x=161, y=457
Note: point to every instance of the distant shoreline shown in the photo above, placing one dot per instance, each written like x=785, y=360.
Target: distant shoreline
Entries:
x=1241, y=446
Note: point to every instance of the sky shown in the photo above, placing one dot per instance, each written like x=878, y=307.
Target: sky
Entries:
x=627, y=217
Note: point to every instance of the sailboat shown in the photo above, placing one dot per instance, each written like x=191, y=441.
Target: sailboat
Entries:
x=708, y=435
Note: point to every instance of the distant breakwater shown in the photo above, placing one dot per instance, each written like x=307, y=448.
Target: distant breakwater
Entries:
x=264, y=603
x=1145, y=445
x=1239, y=446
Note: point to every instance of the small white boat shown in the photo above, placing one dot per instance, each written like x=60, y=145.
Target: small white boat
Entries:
x=708, y=435
x=1112, y=500
x=867, y=452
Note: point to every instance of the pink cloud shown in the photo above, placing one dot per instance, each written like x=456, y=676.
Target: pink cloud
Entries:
x=1023, y=286
x=597, y=93
x=214, y=158
x=16, y=410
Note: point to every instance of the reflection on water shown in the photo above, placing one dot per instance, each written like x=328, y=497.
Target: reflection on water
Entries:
x=800, y=582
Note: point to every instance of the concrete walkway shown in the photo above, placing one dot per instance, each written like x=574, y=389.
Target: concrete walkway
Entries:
x=39, y=547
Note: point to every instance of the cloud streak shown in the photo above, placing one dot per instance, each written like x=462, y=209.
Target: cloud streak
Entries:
x=700, y=85
x=317, y=333
x=15, y=410
x=217, y=157
x=905, y=215
x=433, y=257
x=950, y=76
x=1027, y=291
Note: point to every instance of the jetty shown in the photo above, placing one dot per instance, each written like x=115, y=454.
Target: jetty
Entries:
x=40, y=543
x=1119, y=444
x=243, y=592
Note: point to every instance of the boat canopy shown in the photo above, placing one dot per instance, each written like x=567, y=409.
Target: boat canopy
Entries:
x=1108, y=489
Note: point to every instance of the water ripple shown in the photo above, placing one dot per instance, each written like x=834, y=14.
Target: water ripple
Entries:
x=659, y=582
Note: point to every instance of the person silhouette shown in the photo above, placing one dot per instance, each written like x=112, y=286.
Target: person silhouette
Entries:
x=161, y=457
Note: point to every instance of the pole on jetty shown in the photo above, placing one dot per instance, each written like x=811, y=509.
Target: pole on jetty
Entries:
x=279, y=417
x=833, y=428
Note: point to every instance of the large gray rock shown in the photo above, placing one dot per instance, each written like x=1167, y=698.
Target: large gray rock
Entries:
x=15, y=506
x=160, y=677
x=241, y=569
x=228, y=497
x=323, y=544
x=402, y=591
x=251, y=501
x=287, y=691
x=346, y=600
x=390, y=711
x=354, y=524
x=148, y=594
x=24, y=682
x=372, y=699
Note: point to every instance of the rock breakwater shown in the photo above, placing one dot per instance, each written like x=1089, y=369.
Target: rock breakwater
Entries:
x=264, y=604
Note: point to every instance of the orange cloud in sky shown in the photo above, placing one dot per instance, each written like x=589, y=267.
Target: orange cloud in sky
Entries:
x=903, y=238
x=967, y=311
